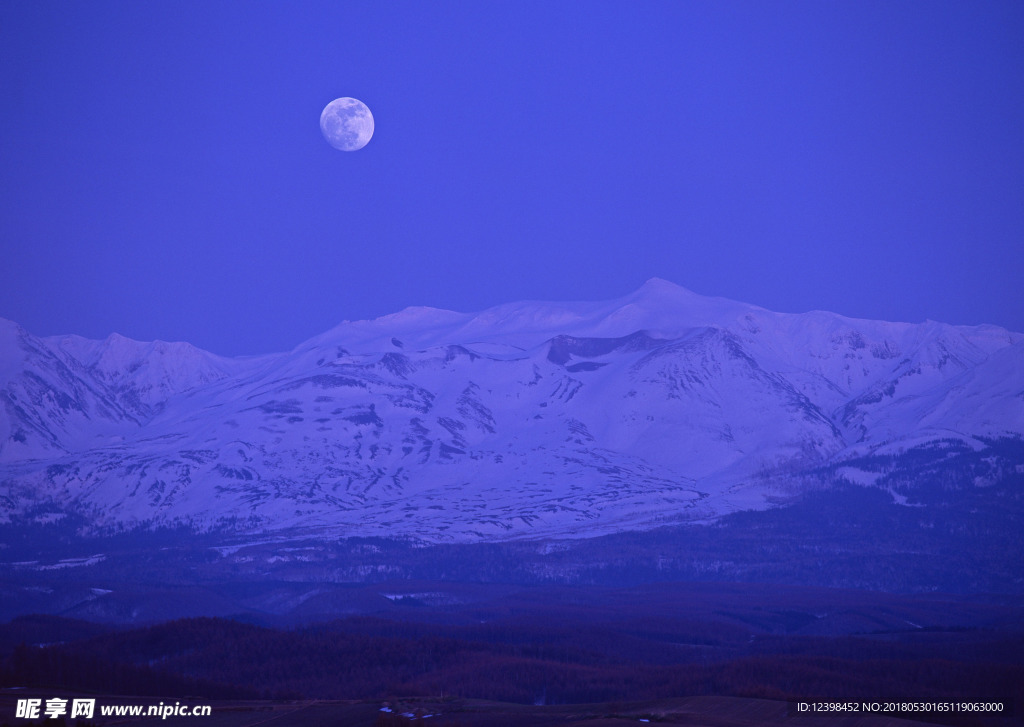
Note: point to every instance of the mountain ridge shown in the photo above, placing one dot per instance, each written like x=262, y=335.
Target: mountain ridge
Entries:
x=530, y=419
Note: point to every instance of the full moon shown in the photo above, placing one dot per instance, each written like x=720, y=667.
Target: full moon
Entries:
x=347, y=124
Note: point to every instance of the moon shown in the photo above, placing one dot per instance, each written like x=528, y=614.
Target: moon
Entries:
x=346, y=123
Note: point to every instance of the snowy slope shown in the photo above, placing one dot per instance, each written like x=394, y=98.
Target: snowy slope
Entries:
x=528, y=419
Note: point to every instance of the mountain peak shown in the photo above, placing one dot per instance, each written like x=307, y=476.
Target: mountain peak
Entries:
x=667, y=308
x=658, y=292
x=660, y=285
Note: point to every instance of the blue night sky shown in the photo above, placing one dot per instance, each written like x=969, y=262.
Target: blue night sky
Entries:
x=163, y=174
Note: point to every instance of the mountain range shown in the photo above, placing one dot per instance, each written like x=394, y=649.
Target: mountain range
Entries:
x=527, y=420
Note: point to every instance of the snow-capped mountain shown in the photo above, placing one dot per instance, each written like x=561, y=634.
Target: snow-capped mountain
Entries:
x=525, y=420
